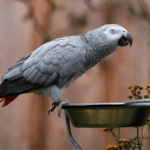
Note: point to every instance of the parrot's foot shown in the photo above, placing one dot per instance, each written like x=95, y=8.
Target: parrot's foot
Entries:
x=54, y=105
x=62, y=103
x=59, y=104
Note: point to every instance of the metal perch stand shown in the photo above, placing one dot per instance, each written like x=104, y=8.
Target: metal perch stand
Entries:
x=69, y=133
x=98, y=115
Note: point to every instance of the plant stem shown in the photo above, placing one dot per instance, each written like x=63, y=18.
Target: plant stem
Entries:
x=119, y=132
x=114, y=135
x=138, y=138
x=142, y=133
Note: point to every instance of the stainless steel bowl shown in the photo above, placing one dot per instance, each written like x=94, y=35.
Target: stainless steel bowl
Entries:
x=128, y=114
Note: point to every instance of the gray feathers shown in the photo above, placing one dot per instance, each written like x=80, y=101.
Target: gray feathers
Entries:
x=63, y=60
x=16, y=74
x=59, y=59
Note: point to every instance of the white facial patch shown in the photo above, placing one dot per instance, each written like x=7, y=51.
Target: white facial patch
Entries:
x=114, y=33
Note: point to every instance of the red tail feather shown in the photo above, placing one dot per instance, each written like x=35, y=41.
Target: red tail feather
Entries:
x=1, y=99
x=8, y=100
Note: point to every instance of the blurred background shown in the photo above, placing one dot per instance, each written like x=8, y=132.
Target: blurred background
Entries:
x=27, y=24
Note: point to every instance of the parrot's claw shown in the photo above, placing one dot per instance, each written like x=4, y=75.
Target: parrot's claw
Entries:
x=59, y=104
x=54, y=105
x=62, y=103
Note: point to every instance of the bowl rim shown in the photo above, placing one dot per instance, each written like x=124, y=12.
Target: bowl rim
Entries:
x=129, y=103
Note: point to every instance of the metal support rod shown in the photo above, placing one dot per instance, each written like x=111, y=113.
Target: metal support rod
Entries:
x=69, y=133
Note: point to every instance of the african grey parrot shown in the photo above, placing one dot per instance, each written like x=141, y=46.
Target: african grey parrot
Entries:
x=52, y=67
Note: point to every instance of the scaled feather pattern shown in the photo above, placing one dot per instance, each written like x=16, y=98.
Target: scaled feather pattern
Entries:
x=52, y=67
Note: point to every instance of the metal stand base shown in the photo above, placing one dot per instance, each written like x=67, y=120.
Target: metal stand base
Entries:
x=69, y=133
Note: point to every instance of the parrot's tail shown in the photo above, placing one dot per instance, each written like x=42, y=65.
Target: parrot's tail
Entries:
x=8, y=99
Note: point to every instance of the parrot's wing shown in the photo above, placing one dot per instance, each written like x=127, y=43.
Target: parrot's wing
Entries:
x=53, y=63
x=14, y=71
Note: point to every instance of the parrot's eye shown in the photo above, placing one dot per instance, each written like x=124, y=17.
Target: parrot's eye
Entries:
x=112, y=30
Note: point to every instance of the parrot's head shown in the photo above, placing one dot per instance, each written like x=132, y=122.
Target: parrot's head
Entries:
x=116, y=34
x=108, y=38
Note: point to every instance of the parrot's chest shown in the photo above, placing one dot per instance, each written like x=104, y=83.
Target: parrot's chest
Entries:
x=53, y=91
x=78, y=74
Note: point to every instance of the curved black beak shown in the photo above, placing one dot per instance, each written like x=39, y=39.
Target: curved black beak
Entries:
x=125, y=40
